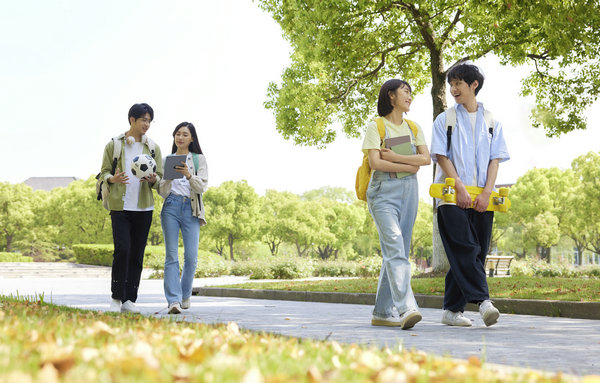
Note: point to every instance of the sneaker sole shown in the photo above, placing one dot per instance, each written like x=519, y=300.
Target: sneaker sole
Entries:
x=491, y=317
x=411, y=320
x=457, y=324
x=383, y=322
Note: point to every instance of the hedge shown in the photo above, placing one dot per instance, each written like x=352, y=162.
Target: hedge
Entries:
x=14, y=257
x=102, y=255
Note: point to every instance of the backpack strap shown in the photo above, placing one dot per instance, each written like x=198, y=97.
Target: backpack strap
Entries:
x=151, y=145
x=413, y=127
x=196, y=162
x=117, y=146
x=450, y=124
x=380, y=129
x=489, y=120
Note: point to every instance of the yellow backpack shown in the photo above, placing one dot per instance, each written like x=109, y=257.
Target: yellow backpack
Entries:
x=363, y=174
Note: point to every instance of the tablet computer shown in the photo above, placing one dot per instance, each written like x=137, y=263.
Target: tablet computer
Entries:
x=170, y=173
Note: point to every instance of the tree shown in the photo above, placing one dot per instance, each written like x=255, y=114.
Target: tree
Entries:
x=343, y=50
x=587, y=171
x=342, y=223
x=233, y=208
x=328, y=192
x=16, y=212
x=73, y=215
x=537, y=200
x=278, y=217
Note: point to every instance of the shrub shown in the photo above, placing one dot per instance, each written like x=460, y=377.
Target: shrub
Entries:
x=537, y=268
x=291, y=269
x=14, y=257
x=101, y=255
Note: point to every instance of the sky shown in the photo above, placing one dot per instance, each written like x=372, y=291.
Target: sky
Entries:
x=70, y=70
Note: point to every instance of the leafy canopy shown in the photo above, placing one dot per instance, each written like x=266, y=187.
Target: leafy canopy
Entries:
x=344, y=50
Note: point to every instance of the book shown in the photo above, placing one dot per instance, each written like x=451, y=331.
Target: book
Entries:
x=399, y=145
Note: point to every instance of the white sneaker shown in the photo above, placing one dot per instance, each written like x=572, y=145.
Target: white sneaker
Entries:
x=488, y=312
x=186, y=303
x=129, y=307
x=174, y=308
x=115, y=306
x=410, y=318
x=390, y=321
x=455, y=319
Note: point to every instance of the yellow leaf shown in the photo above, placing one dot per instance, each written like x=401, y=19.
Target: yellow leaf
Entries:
x=474, y=361
x=591, y=379
x=336, y=347
x=48, y=374
x=314, y=375
x=233, y=328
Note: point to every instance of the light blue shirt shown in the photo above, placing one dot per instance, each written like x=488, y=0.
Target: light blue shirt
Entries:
x=471, y=150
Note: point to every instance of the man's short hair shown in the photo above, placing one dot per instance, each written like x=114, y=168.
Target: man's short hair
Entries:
x=384, y=104
x=139, y=111
x=467, y=73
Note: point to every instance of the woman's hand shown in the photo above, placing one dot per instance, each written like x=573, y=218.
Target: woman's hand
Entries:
x=183, y=169
x=387, y=154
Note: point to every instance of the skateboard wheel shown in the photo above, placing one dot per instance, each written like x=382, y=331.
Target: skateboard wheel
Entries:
x=450, y=181
x=503, y=192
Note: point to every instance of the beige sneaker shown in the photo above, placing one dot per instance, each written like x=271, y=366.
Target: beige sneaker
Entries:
x=175, y=308
x=409, y=319
x=389, y=321
x=455, y=319
x=186, y=303
x=115, y=306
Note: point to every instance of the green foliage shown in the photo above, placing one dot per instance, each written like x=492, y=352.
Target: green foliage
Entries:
x=291, y=269
x=17, y=204
x=101, y=255
x=233, y=208
x=14, y=257
x=343, y=51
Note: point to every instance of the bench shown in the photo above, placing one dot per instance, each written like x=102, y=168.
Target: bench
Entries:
x=498, y=265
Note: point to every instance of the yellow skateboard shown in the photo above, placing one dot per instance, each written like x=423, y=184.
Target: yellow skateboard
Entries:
x=498, y=200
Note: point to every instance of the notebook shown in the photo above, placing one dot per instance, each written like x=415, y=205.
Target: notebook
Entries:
x=400, y=145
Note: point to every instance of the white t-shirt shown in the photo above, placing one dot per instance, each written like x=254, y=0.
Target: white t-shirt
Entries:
x=473, y=118
x=132, y=191
x=181, y=186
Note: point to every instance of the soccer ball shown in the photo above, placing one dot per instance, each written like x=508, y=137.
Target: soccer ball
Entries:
x=143, y=165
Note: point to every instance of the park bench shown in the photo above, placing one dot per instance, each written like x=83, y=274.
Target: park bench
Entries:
x=498, y=265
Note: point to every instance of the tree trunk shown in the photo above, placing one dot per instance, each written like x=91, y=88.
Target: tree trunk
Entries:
x=438, y=97
x=9, y=239
x=230, y=240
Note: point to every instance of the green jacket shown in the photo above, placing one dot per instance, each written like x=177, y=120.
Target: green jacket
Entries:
x=117, y=190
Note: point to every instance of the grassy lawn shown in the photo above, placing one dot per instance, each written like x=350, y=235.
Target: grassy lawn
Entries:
x=40, y=342
x=565, y=289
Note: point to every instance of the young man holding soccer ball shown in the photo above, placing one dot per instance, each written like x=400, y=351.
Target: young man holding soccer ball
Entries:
x=131, y=203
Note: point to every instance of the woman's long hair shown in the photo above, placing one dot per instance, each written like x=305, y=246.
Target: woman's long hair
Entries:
x=194, y=145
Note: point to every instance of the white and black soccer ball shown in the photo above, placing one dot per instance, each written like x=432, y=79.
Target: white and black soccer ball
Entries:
x=143, y=165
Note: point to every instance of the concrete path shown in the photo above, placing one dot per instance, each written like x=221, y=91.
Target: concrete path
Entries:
x=545, y=343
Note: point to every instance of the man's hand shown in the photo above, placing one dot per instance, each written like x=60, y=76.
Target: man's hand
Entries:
x=150, y=179
x=463, y=198
x=119, y=177
x=482, y=201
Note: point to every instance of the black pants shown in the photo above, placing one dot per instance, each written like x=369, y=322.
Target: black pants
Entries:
x=130, y=233
x=466, y=236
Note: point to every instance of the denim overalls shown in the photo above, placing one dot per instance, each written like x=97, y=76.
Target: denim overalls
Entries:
x=393, y=204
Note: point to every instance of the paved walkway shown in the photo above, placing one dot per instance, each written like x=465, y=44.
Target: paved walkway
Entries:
x=544, y=343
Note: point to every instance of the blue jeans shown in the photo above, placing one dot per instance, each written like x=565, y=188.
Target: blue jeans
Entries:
x=177, y=215
x=393, y=204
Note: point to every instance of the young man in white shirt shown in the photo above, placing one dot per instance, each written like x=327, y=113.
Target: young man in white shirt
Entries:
x=470, y=152
x=131, y=203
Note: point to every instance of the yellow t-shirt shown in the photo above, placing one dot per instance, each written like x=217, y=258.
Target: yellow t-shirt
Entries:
x=373, y=141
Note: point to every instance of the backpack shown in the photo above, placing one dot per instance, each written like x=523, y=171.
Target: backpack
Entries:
x=451, y=123
x=101, y=186
x=363, y=174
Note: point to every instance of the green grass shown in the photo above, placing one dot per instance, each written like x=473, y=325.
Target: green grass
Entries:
x=564, y=289
x=47, y=343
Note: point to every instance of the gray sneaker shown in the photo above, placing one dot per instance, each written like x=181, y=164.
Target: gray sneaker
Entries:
x=488, y=312
x=186, y=303
x=129, y=307
x=390, y=321
x=174, y=308
x=410, y=318
x=455, y=319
